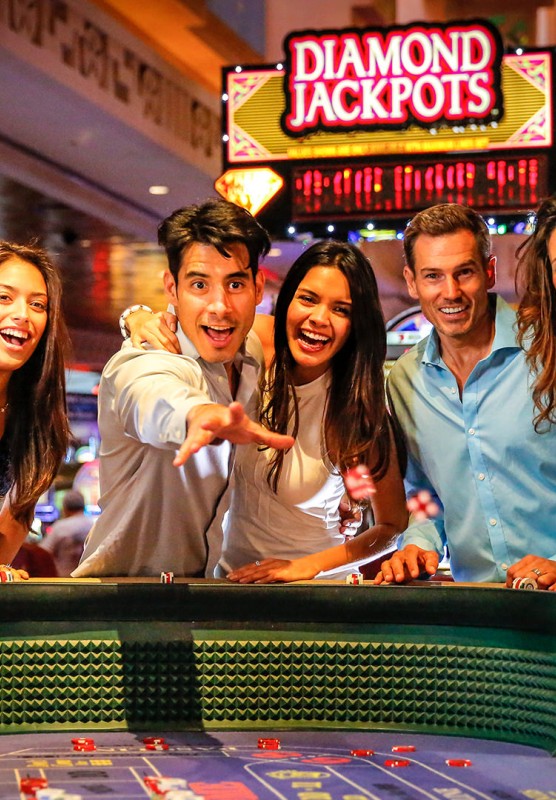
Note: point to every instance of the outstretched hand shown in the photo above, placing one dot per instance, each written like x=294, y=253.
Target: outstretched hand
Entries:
x=211, y=423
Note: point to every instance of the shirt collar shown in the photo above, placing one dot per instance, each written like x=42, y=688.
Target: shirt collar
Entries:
x=504, y=332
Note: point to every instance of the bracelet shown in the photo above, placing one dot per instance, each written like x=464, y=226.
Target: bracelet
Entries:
x=123, y=328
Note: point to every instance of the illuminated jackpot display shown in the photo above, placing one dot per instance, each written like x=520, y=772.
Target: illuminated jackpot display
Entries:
x=388, y=121
x=494, y=184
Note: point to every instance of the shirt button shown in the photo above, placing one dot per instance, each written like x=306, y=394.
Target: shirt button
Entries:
x=492, y=521
x=503, y=566
x=481, y=476
x=471, y=431
x=453, y=390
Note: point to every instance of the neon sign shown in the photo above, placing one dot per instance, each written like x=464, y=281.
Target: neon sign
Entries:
x=423, y=75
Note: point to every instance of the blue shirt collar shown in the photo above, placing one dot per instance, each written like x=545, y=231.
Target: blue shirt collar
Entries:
x=504, y=333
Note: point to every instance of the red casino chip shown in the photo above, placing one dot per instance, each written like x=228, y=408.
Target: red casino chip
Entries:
x=362, y=753
x=154, y=740
x=31, y=785
x=396, y=762
x=86, y=747
x=268, y=744
x=403, y=748
x=83, y=740
x=458, y=762
x=524, y=583
x=160, y=746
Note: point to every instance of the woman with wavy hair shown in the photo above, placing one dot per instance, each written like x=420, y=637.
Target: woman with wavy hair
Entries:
x=34, y=429
x=536, y=319
x=325, y=348
x=536, y=279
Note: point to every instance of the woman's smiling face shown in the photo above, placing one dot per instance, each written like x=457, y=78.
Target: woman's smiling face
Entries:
x=318, y=322
x=23, y=312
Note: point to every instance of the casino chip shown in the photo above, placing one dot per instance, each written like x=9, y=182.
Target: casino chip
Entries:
x=355, y=578
x=31, y=785
x=161, y=746
x=84, y=745
x=422, y=506
x=396, y=762
x=269, y=744
x=362, y=753
x=154, y=740
x=403, y=748
x=166, y=577
x=158, y=784
x=458, y=762
x=525, y=583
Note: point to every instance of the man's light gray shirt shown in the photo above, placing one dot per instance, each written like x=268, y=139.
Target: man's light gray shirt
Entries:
x=155, y=517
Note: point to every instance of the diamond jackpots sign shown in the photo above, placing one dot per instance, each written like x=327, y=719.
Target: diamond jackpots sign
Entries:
x=422, y=75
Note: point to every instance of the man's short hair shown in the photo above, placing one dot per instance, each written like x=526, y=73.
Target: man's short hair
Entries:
x=444, y=219
x=73, y=501
x=216, y=222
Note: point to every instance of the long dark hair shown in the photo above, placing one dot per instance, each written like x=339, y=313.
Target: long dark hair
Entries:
x=536, y=315
x=356, y=419
x=37, y=431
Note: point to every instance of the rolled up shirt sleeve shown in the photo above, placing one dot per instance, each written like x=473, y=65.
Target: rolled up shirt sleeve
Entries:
x=152, y=393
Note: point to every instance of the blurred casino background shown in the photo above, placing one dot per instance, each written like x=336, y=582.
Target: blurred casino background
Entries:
x=110, y=118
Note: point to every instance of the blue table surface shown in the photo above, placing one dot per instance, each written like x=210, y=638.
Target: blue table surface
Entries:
x=309, y=765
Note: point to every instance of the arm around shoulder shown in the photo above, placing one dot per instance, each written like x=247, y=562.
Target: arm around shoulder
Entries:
x=263, y=326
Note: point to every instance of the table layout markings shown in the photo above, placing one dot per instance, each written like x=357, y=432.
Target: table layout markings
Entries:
x=359, y=788
x=444, y=776
x=140, y=780
x=260, y=780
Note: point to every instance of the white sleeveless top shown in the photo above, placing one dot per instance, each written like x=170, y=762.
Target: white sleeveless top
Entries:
x=302, y=518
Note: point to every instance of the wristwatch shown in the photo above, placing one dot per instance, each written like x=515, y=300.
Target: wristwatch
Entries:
x=131, y=310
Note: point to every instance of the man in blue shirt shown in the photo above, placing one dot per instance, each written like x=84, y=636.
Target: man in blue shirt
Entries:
x=463, y=398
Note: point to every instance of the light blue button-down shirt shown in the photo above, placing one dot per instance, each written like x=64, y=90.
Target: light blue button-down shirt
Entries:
x=493, y=473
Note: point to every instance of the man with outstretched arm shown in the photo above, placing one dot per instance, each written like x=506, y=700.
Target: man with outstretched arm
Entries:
x=169, y=421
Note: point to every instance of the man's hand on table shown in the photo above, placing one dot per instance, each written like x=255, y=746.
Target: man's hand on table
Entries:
x=543, y=570
x=407, y=565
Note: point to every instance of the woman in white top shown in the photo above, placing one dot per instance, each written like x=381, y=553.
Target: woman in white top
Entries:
x=325, y=347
